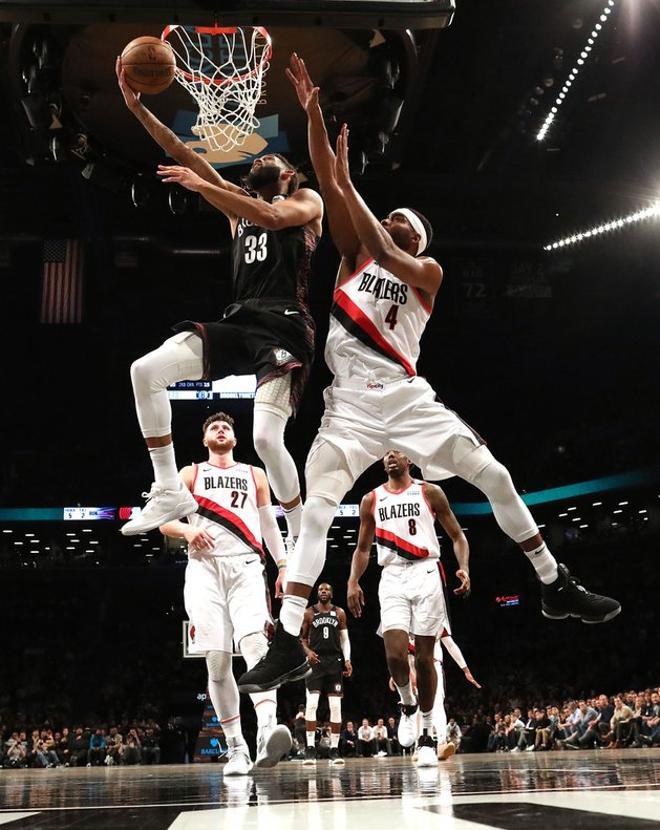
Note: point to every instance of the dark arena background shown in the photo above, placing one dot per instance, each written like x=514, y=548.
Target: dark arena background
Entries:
x=529, y=134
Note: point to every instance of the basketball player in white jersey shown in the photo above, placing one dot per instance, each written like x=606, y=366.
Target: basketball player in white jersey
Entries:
x=384, y=296
x=267, y=330
x=226, y=594
x=400, y=515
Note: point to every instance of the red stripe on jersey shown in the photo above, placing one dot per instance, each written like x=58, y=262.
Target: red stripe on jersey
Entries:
x=443, y=575
x=420, y=553
x=369, y=328
x=237, y=524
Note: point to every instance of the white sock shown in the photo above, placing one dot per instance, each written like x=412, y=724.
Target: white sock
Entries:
x=544, y=563
x=163, y=461
x=292, y=613
x=232, y=729
x=334, y=740
x=293, y=516
x=406, y=694
x=265, y=707
x=311, y=738
x=427, y=721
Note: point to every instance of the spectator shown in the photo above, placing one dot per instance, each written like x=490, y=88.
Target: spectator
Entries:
x=366, y=739
x=381, y=738
x=393, y=736
x=348, y=741
x=79, y=746
x=97, y=746
x=515, y=729
x=620, y=724
x=15, y=753
x=115, y=745
x=62, y=746
x=581, y=720
x=150, y=747
x=598, y=727
x=131, y=753
x=541, y=730
x=454, y=734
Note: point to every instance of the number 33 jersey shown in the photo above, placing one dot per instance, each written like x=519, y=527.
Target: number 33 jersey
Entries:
x=227, y=508
x=376, y=322
x=405, y=525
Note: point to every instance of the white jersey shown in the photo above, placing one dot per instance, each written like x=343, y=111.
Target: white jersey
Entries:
x=405, y=525
x=376, y=322
x=227, y=508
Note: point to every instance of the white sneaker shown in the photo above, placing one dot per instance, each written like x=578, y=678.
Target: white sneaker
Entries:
x=516, y=749
x=273, y=743
x=162, y=506
x=426, y=757
x=239, y=762
x=446, y=751
x=407, y=731
x=530, y=749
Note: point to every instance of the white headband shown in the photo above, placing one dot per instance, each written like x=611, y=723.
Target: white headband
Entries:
x=416, y=225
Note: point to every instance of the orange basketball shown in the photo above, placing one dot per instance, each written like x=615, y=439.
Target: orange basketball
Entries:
x=149, y=64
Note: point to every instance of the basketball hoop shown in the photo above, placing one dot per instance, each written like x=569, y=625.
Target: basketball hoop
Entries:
x=223, y=68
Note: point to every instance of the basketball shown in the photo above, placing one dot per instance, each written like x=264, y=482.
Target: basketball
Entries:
x=149, y=64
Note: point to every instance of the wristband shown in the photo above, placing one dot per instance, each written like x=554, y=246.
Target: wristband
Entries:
x=281, y=564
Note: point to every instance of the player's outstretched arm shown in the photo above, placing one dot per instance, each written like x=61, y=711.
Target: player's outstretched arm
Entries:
x=345, y=642
x=457, y=655
x=360, y=560
x=447, y=519
x=303, y=207
x=270, y=532
x=166, y=139
x=323, y=160
x=420, y=272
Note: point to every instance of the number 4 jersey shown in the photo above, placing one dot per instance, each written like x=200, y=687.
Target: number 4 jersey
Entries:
x=376, y=322
x=405, y=525
x=227, y=508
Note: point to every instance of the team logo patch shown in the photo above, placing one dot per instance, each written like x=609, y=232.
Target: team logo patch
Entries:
x=282, y=356
x=337, y=687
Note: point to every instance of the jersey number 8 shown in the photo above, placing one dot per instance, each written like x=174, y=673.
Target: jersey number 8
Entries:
x=255, y=248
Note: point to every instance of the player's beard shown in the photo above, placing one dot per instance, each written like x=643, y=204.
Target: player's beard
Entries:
x=264, y=176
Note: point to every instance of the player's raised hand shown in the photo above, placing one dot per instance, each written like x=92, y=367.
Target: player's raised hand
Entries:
x=342, y=169
x=355, y=599
x=464, y=588
x=470, y=677
x=296, y=72
x=131, y=97
x=172, y=174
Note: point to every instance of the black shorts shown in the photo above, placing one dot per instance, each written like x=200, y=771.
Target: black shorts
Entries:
x=327, y=679
x=266, y=339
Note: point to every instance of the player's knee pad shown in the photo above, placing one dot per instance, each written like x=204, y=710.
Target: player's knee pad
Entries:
x=274, y=396
x=218, y=664
x=312, y=705
x=308, y=558
x=253, y=647
x=334, y=704
x=511, y=512
x=327, y=474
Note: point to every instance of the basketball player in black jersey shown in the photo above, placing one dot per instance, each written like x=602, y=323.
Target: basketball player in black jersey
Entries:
x=324, y=636
x=267, y=330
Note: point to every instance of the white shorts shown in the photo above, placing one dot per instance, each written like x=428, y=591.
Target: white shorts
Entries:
x=411, y=598
x=364, y=420
x=226, y=598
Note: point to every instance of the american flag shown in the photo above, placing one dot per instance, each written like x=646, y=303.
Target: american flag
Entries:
x=62, y=284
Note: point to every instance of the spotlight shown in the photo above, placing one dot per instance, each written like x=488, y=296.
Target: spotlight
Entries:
x=651, y=212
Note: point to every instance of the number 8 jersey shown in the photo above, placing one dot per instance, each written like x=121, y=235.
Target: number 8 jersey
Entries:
x=376, y=322
x=227, y=508
x=405, y=525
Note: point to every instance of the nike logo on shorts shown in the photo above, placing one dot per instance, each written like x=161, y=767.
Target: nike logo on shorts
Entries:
x=250, y=561
x=288, y=311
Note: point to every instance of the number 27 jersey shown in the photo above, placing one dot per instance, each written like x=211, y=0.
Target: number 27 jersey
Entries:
x=405, y=525
x=227, y=508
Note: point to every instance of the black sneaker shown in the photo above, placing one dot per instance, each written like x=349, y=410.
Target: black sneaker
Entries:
x=310, y=756
x=284, y=662
x=566, y=597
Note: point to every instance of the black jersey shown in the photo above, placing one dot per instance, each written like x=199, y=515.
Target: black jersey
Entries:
x=324, y=633
x=272, y=266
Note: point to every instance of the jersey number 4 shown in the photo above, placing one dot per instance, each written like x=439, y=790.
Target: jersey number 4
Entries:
x=255, y=248
x=391, y=318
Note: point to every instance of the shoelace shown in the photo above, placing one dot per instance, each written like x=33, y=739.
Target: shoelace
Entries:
x=576, y=582
x=154, y=490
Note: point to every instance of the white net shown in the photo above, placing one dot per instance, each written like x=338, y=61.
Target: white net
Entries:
x=223, y=69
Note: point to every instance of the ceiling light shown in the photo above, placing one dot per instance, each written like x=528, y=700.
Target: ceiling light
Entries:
x=651, y=212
